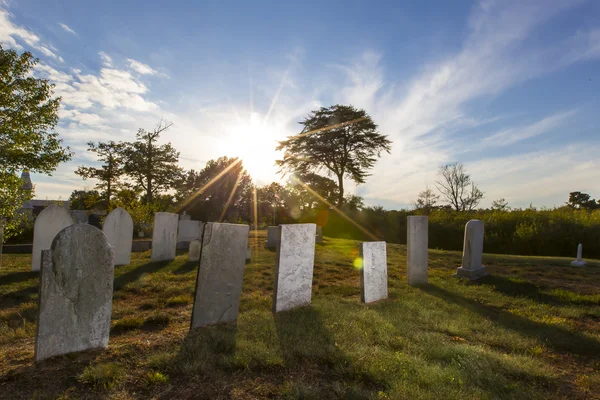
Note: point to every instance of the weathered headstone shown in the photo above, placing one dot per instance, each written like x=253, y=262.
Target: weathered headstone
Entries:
x=295, y=259
x=185, y=216
x=220, y=274
x=164, y=237
x=187, y=231
x=76, y=288
x=118, y=228
x=373, y=274
x=472, y=267
x=272, y=237
x=579, y=262
x=319, y=235
x=51, y=220
x=194, y=251
x=417, y=242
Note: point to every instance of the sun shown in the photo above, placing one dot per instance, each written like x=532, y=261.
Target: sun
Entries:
x=254, y=142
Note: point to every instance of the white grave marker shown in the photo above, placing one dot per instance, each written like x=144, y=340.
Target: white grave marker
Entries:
x=373, y=274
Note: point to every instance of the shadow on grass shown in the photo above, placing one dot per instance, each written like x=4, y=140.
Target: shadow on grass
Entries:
x=555, y=337
x=187, y=267
x=136, y=273
x=18, y=277
x=531, y=291
x=20, y=296
x=320, y=368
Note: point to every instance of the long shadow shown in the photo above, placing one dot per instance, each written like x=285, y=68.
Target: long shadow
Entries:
x=136, y=273
x=18, y=277
x=309, y=351
x=529, y=290
x=187, y=267
x=555, y=337
x=19, y=297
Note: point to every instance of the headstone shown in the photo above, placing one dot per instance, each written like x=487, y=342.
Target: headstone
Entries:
x=185, y=216
x=373, y=274
x=164, y=237
x=118, y=228
x=319, y=235
x=51, y=220
x=76, y=288
x=579, y=262
x=272, y=237
x=472, y=251
x=80, y=216
x=417, y=250
x=295, y=258
x=194, y=251
x=220, y=274
x=187, y=231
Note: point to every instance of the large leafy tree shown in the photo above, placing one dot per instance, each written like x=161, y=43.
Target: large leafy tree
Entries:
x=152, y=167
x=340, y=140
x=309, y=190
x=110, y=154
x=28, y=116
x=581, y=200
x=84, y=199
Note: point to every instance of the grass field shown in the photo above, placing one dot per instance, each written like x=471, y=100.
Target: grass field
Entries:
x=531, y=330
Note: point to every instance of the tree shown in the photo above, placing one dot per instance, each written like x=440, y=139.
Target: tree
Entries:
x=581, y=200
x=151, y=166
x=426, y=200
x=457, y=188
x=108, y=175
x=500, y=205
x=308, y=189
x=28, y=116
x=84, y=199
x=341, y=140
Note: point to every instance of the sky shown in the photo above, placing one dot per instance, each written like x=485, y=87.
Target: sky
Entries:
x=511, y=89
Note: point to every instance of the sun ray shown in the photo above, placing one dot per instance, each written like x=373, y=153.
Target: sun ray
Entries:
x=327, y=128
x=276, y=97
x=235, y=186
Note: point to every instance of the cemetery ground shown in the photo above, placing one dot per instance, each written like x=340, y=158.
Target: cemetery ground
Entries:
x=529, y=330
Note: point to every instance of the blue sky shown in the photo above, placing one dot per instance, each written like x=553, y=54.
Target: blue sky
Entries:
x=509, y=88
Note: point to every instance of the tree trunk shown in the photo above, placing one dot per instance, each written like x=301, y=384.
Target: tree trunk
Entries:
x=341, y=187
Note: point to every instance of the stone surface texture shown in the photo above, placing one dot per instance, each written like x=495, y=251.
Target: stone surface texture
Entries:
x=272, y=237
x=417, y=257
x=51, y=220
x=75, y=297
x=187, y=231
x=118, y=228
x=319, y=235
x=220, y=274
x=579, y=262
x=472, y=267
x=295, y=258
x=194, y=251
x=373, y=274
x=164, y=237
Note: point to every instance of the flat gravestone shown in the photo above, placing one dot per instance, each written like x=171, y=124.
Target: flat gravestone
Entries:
x=373, y=274
x=51, y=220
x=220, y=274
x=417, y=257
x=272, y=237
x=118, y=228
x=295, y=259
x=472, y=267
x=76, y=288
x=164, y=237
x=194, y=251
x=187, y=231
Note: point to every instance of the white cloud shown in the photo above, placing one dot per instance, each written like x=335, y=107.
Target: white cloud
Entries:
x=68, y=29
x=140, y=67
x=106, y=59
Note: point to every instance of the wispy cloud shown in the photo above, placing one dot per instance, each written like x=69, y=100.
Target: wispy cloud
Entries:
x=12, y=35
x=68, y=29
x=140, y=67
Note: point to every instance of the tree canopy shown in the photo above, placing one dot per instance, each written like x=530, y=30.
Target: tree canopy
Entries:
x=108, y=174
x=341, y=140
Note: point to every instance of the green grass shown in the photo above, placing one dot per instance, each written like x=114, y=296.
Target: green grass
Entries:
x=531, y=330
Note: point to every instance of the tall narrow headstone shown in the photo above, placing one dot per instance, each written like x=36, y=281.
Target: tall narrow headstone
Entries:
x=194, y=251
x=76, y=288
x=51, y=220
x=295, y=259
x=373, y=274
x=579, y=262
x=472, y=267
x=118, y=228
x=417, y=239
x=164, y=237
x=272, y=237
x=319, y=235
x=220, y=274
